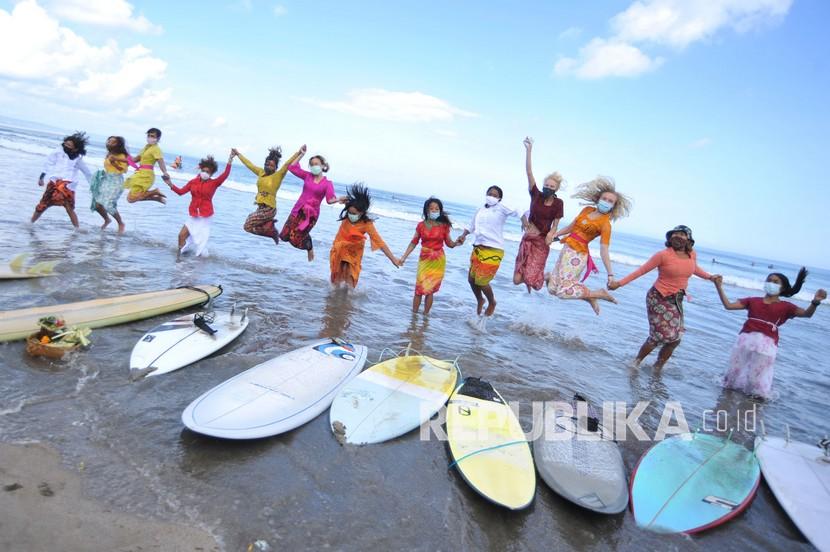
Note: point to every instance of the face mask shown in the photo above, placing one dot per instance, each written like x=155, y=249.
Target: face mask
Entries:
x=604, y=207
x=316, y=170
x=548, y=192
x=771, y=288
x=433, y=215
x=152, y=140
x=70, y=153
x=269, y=171
x=678, y=243
x=354, y=218
x=204, y=175
x=490, y=200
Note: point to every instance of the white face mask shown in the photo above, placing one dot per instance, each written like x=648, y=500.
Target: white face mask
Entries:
x=353, y=218
x=204, y=175
x=152, y=140
x=490, y=200
x=316, y=170
x=771, y=288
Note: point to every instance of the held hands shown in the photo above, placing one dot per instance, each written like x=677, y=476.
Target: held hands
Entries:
x=234, y=152
x=40, y=181
x=302, y=150
x=821, y=295
x=717, y=279
x=612, y=283
x=550, y=238
x=528, y=142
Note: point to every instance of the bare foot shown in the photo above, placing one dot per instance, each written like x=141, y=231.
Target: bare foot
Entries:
x=605, y=296
x=480, y=306
x=106, y=223
x=310, y=255
x=121, y=227
x=594, y=305
x=491, y=308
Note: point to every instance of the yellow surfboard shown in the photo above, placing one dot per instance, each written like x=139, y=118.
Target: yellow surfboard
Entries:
x=98, y=313
x=488, y=446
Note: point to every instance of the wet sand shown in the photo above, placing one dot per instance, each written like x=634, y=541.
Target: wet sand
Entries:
x=42, y=507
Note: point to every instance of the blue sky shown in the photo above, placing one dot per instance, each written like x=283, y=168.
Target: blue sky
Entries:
x=710, y=113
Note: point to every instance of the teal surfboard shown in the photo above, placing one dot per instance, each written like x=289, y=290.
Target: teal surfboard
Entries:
x=692, y=482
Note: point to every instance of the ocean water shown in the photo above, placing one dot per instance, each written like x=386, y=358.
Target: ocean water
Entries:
x=302, y=489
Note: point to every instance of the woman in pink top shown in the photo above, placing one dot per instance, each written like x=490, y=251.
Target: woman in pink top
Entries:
x=303, y=217
x=664, y=301
x=753, y=356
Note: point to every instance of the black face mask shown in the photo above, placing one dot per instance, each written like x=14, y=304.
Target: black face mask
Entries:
x=547, y=193
x=70, y=153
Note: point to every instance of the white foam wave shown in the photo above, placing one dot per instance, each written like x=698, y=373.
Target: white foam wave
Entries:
x=25, y=147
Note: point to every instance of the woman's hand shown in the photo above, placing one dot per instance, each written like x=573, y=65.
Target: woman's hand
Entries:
x=613, y=284
x=550, y=238
x=528, y=142
x=302, y=150
x=717, y=279
x=234, y=152
x=820, y=295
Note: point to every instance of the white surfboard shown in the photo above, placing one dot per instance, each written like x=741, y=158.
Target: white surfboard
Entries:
x=578, y=461
x=180, y=342
x=278, y=395
x=391, y=398
x=799, y=476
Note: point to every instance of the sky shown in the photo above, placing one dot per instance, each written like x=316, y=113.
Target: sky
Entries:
x=709, y=113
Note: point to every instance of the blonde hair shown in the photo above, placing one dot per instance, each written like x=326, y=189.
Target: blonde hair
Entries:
x=593, y=190
x=556, y=177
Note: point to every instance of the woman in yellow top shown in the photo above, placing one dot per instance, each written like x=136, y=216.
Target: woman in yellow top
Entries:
x=269, y=179
x=347, y=250
x=141, y=182
x=108, y=184
x=607, y=205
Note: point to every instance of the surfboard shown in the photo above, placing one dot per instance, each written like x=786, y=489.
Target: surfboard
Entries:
x=488, y=446
x=278, y=395
x=579, y=462
x=799, y=476
x=391, y=398
x=15, y=270
x=98, y=313
x=181, y=341
x=692, y=482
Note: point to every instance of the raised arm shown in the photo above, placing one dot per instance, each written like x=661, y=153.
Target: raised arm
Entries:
x=295, y=167
x=727, y=304
x=219, y=180
x=820, y=296
x=531, y=182
x=251, y=167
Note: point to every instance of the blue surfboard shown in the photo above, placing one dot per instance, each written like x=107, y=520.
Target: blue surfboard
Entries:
x=692, y=482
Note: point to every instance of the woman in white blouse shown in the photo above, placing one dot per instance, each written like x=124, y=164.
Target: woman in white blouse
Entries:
x=487, y=228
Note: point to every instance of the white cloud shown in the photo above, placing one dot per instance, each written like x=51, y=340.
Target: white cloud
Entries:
x=53, y=61
x=700, y=143
x=280, y=10
x=399, y=107
x=570, y=33
x=672, y=23
x=607, y=58
x=678, y=23
x=106, y=13
x=219, y=122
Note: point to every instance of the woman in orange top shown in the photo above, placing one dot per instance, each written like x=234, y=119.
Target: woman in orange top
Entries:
x=347, y=249
x=575, y=258
x=664, y=301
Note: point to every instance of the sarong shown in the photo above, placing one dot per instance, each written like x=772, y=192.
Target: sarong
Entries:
x=665, y=317
x=106, y=188
x=564, y=281
x=261, y=222
x=484, y=263
x=199, y=229
x=530, y=262
x=431, y=266
x=291, y=232
x=57, y=194
x=752, y=365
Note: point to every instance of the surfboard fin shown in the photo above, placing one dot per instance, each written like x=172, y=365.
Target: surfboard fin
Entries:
x=17, y=262
x=141, y=373
x=44, y=267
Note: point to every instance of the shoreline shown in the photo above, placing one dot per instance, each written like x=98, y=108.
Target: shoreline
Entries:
x=43, y=507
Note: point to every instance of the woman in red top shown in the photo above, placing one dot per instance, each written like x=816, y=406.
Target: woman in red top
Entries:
x=753, y=356
x=195, y=233
x=433, y=232
x=664, y=301
x=546, y=210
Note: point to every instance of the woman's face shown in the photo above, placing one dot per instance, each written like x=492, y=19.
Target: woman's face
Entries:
x=207, y=170
x=270, y=166
x=492, y=192
x=551, y=184
x=315, y=162
x=610, y=197
x=434, y=208
x=69, y=145
x=775, y=279
x=112, y=142
x=678, y=240
x=152, y=138
x=354, y=211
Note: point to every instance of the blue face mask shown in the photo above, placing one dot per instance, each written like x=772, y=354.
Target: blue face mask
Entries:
x=604, y=206
x=433, y=215
x=354, y=218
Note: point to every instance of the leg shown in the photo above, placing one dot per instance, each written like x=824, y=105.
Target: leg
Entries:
x=517, y=278
x=36, y=215
x=491, y=300
x=310, y=253
x=72, y=216
x=665, y=354
x=428, y=303
x=645, y=349
x=416, y=302
x=478, y=294
x=121, y=226
x=184, y=233
x=346, y=274
x=104, y=215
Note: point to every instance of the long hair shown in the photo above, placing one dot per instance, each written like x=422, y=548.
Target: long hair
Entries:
x=119, y=147
x=323, y=162
x=357, y=196
x=593, y=190
x=208, y=164
x=79, y=140
x=788, y=290
x=443, y=217
x=274, y=154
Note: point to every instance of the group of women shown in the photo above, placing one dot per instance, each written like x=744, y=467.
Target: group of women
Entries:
x=752, y=360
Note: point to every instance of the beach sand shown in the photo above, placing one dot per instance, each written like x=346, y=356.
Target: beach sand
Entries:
x=42, y=507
